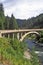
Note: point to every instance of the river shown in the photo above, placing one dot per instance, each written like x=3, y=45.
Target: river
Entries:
x=38, y=49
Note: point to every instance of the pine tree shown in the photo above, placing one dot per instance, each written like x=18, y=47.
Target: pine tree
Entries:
x=2, y=17
x=13, y=23
x=7, y=19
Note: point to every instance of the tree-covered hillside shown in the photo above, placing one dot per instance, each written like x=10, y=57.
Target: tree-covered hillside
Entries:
x=34, y=22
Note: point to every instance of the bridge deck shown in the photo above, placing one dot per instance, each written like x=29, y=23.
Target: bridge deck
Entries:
x=19, y=30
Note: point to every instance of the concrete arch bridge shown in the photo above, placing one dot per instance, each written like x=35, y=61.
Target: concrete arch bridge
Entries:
x=20, y=33
x=36, y=33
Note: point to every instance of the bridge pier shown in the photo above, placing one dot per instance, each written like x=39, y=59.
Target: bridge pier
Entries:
x=0, y=35
x=21, y=35
x=3, y=35
x=13, y=36
x=18, y=36
x=8, y=36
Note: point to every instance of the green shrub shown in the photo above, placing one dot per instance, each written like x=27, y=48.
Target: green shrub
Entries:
x=11, y=52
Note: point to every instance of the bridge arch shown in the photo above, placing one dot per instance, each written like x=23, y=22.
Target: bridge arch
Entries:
x=28, y=34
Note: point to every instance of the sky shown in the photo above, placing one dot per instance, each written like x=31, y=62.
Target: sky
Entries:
x=22, y=9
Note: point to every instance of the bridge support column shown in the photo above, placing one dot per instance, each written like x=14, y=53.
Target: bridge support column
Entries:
x=18, y=36
x=3, y=35
x=21, y=35
x=13, y=36
x=0, y=35
x=8, y=35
